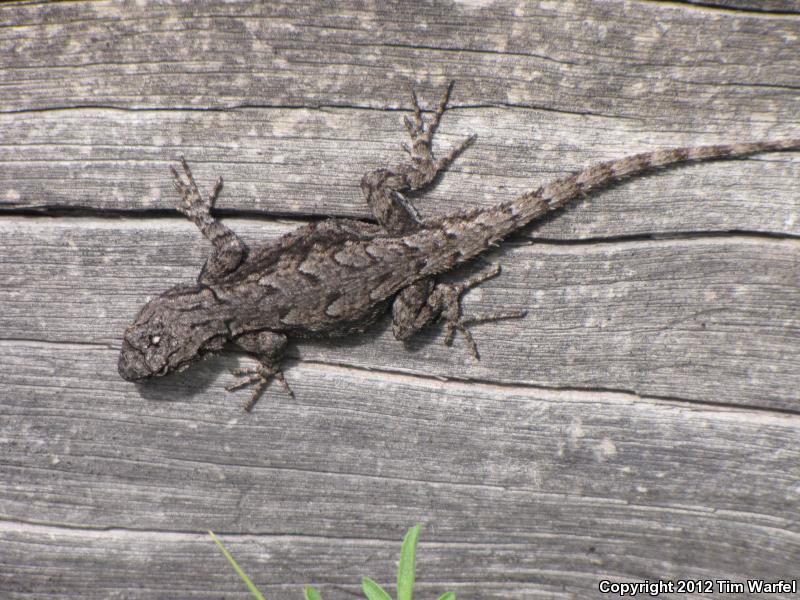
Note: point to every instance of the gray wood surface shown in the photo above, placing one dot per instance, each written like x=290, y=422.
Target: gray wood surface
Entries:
x=642, y=422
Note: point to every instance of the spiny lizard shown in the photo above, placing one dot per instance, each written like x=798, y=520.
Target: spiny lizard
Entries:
x=337, y=276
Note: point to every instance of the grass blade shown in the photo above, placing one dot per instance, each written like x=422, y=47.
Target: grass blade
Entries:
x=373, y=591
x=448, y=596
x=312, y=594
x=250, y=585
x=407, y=568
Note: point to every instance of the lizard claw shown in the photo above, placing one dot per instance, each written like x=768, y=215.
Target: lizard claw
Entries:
x=193, y=205
x=455, y=151
x=258, y=377
x=461, y=325
x=421, y=133
x=416, y=126
x=456, y=321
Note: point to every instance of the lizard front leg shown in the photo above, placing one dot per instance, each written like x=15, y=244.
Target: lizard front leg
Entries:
x=267, y=347
x=228, y=250
x=426, y=301
x=382, y=188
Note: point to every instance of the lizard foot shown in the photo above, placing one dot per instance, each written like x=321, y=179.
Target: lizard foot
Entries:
x=422, y=137
x=453, y=318
x=258, y=377
x=194, y=205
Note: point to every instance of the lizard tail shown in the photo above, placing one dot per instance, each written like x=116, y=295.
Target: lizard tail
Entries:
x=562, y=191
x=459, y=238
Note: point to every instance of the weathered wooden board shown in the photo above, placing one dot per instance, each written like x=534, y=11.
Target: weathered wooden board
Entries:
x=681, y=65
x=144, y=565
x=698, y=319
x=306, y=162
x=512, y=484
x=641, y=421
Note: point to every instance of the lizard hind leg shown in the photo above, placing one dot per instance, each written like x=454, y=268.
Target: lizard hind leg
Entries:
x=426, y=301
x=382, y=188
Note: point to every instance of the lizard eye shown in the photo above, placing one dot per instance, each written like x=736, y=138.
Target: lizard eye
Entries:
x=154, y=340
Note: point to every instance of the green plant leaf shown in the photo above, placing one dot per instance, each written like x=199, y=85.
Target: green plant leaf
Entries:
x=448, y=596
x=373, y=591
x=250, y=585
x=311, y=594
x=407, y=568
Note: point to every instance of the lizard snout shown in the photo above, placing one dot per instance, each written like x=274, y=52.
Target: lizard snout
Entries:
x=132, y=366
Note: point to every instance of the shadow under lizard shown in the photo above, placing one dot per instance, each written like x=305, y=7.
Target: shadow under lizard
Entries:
x=337, y=276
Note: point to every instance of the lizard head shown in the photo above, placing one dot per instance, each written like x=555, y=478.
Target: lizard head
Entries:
x=171, y=332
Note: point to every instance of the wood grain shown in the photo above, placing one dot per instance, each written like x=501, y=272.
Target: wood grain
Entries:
x=310, y=163
x=572, y=484
x=640, y=423
x=639, y=60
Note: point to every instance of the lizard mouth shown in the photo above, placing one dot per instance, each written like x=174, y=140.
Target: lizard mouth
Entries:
x=132, y=366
